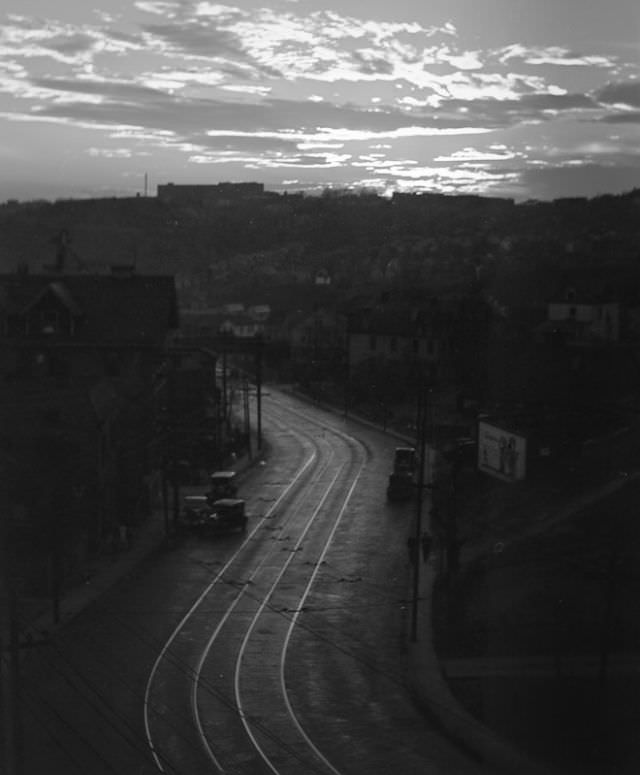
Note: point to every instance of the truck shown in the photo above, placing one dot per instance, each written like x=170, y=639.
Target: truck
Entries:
x=401, y=484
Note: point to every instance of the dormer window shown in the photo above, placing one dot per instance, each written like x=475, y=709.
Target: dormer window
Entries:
x=49, y=321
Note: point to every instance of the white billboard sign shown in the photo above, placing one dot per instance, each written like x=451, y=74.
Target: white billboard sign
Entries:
x=501, y=453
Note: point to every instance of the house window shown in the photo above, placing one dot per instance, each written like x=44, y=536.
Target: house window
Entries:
x=572, y=312
x=373, y=342
x=49, y=321
x=394, y=344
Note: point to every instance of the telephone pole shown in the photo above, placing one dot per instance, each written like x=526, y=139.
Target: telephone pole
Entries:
x=11, y=733
x=422, y=445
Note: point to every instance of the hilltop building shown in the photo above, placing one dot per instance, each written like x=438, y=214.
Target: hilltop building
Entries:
x=203, y=194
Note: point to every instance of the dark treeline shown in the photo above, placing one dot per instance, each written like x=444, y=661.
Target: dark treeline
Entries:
x=522, y=252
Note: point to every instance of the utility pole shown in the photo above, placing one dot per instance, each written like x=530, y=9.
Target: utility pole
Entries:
x=247, y=418
x=422, y=445
x=173, y=439
x=165, y=499
x=9, y=649
x=605, y=634
x=259, y=394
x=225, y=419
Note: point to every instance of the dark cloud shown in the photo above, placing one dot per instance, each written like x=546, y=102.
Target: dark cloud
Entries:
x=626, y=93
x=501, y=113
x=557, y=102
x=196, y=39
x=244, y=144
x=187, y=116
x=113, y=90
x=205, y=40
x=372, y=65
x=622, y=118
x=71, y=45
x=586, y=180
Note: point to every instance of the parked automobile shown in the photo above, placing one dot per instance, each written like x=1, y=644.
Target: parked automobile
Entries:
x=401, y=486
x=227, y=514
x=222, y=484
x=196, y=510
x=401, y=483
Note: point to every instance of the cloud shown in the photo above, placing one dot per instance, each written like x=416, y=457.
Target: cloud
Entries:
x=625, y=93
x=110, y=153
x=551, y=55
x=67, y=44
x=528, y=108
x=193, y=38
x=591, y=179
x=158, y=8
x=116, y=91
x=469, y=154
x=156, y=110
x=631, y=117
x=271, y=87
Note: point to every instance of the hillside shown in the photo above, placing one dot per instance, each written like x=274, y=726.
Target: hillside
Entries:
x=520, y=252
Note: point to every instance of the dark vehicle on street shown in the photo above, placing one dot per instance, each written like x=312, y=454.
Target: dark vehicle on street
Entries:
x=404, y=460
x=196, y=510
x=401, y=480
x=400, y=487
x=222, y=484
x=227, y=514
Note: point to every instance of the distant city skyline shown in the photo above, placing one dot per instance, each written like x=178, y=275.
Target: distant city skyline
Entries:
x=529, y=99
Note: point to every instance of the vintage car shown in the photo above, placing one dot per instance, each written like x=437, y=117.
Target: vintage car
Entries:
x=222, y=484
x=196, y=510
x=227, y=514
x=401, y=487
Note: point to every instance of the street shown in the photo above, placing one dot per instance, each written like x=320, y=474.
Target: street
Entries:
x=282, y=650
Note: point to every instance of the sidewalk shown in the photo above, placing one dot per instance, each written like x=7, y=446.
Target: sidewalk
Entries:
x=431, y=692
x=510, y=522
x=105, y=571
x=425, y=676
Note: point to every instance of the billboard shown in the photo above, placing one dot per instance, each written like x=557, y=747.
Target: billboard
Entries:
x=501, y=453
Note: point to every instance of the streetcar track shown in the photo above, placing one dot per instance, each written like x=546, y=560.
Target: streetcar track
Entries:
x=253, y=723
x=189, y=613
x=207, y=649
x=296, y=611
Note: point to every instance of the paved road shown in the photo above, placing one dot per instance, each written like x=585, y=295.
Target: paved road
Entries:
x=278, y=651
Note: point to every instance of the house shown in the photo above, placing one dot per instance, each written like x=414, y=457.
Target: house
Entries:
x=391, y=333
x=202, y=194
x=316, y=337
x=79, y=359
x=322, y=277
x=83, y=326
x=242, y=326
x=582, y=320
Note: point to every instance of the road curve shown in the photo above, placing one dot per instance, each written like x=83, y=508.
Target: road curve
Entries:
x=233, y=664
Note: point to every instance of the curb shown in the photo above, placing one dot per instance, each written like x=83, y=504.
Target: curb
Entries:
x=150, y=540
x=428, y=685
x=431, y=692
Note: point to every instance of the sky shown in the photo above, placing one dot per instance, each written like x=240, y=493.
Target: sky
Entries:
x=529, y=99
